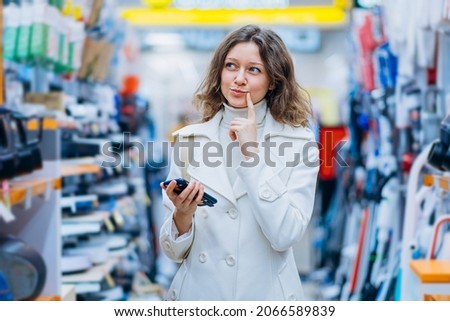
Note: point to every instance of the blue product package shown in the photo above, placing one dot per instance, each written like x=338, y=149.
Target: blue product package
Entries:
x=5, y=291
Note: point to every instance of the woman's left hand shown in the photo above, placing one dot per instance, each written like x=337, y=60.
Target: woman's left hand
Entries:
x=244, y=130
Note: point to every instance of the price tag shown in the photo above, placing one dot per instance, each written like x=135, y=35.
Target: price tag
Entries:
x=108, y=278
x=48, y=190
x=109, y=225
x=118, y=218
x=6, y=194
x=6, y=214
x=28, y=198
x=5, y=204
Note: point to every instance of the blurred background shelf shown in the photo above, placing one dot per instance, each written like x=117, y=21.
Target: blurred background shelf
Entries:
x=35, y=187
x=79, y=169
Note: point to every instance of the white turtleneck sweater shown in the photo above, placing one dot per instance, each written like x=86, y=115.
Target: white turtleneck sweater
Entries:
x=233, y=156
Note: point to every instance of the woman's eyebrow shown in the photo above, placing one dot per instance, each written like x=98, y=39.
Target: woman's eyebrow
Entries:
x=251, y=62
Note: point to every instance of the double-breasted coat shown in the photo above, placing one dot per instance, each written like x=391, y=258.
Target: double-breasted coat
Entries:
x=241, y=249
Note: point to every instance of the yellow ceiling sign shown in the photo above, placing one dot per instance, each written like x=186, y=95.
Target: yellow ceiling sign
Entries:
x=325, y=16
x=347, y=4
x=157, y=3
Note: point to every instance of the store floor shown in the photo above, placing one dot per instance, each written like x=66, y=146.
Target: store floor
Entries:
x=311, y=292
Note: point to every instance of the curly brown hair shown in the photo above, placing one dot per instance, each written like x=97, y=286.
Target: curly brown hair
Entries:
x=288, y=102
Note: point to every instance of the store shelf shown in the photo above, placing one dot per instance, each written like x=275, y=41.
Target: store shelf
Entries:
x=432, y=278
x=67, y=124
x=93, y=275
x=437, y=297
x=437, y=180
x=80, y=229
x=79, y=169
x=94, y=217
x=431, y=271
x=19, y=191
x=51, y=124
x=70, y=202
x=48, y=298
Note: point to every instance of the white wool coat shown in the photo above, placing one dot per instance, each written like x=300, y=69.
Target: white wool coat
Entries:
x=241, y=249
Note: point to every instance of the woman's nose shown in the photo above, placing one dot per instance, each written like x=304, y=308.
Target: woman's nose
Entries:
x=240, y=78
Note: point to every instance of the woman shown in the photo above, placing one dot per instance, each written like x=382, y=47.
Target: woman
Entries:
x=255, y=153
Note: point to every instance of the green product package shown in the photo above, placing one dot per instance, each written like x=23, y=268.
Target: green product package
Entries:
x=39, y=34
x=39, y=41
x=22, y=53
x=76, y=42
x=11, y=14
x=63, y=45
x=10, y=42
x=70, y=56
x=54, y=31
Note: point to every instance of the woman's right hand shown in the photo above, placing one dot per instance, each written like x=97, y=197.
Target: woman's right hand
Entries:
x=185, y=203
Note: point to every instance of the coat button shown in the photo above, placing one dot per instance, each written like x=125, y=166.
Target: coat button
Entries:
x=167, y=245
x=266, y=193
x=202, y=257
x=233, y=213
x=204, y=213
x=231, y=261
x=291, y=297
x=173, y=295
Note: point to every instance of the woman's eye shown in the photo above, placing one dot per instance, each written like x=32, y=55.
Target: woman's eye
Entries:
x=230, y=65
x=254, y=70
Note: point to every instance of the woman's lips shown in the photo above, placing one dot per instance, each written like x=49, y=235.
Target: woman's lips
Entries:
x=238, y=92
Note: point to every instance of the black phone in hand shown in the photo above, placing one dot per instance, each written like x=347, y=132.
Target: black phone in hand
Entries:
x=207, y=199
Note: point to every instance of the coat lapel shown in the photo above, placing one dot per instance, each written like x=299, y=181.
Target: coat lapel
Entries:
x=213, y=177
